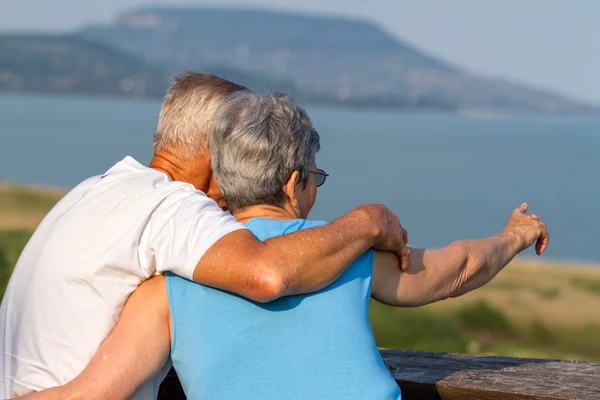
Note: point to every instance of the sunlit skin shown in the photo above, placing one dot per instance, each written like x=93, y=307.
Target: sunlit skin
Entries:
x=197, y=171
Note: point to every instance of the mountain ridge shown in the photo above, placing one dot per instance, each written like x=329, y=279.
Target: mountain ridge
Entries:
x=67, y=64
x=350, y=59
x=320, y=59
x=38, y=63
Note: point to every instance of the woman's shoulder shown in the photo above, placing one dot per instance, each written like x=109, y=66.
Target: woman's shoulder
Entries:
x=265, y=228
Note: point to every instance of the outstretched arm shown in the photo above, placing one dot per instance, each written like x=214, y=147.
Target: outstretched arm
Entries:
x=299, y=262
x=134, y=352
x=458, y=268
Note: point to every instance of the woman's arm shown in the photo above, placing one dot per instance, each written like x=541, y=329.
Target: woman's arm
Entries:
x=134, y=352
x=456, y=269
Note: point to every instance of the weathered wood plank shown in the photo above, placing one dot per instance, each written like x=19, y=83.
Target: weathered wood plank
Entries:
x=423, y=375
x=446, y=376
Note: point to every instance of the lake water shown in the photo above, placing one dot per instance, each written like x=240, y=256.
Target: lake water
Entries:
x=448, y=177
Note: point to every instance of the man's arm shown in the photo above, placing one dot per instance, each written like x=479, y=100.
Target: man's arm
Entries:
x=456, y=269
x=299, y=262
x=134, y=352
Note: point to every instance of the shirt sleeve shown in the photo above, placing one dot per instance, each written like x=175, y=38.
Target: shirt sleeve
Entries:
x=180, y=230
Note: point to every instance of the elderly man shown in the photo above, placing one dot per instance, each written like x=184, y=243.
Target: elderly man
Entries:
x=311, y=346
x=112, y=232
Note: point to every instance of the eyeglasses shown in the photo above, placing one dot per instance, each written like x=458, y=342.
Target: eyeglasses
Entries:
x=320, y=176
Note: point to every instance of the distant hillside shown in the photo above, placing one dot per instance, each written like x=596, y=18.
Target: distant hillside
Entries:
x=314, y=59
x=67, y=64
x=322, y=57
x=72, y=64
x=75, y=65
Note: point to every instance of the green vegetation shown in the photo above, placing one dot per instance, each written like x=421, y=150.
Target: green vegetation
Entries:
x=21, y=210
x=590, y=285
x=5, y=268
x=416, y=329
x=541, y=333
x=547, y=293
x=12, y=244
x=529, y=310
x=481, y=315
x=24, y=198
x=541, y=291
x=480, y=329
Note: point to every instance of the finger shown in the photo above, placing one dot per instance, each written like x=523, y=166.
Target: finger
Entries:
x=536, y=217
x=406, y=261
x=542, y=242
x=404, y=256
x=541, y=245
x=405, y=235
x=522, y=209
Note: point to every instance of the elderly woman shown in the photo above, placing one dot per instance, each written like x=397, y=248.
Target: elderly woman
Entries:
x=314, y=346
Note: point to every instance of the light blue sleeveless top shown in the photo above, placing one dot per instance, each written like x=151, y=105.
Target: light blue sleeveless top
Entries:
x=315, y=346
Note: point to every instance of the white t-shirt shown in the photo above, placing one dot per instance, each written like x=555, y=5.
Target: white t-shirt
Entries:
x=104, y=238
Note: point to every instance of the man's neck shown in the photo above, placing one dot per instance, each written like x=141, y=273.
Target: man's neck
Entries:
x=264, y=211
x=183, y=171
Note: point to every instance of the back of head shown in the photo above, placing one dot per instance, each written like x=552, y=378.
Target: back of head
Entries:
x=188, y=112
x=258, y=141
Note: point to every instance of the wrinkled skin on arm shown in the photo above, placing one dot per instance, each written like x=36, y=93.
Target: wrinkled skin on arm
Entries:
x=437, y=274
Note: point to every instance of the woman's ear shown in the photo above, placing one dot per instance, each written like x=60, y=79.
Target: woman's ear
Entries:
x=291, y=189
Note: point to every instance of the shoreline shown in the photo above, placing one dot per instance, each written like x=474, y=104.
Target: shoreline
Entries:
x=15, y=217
x=33, y=187
x=557, y=263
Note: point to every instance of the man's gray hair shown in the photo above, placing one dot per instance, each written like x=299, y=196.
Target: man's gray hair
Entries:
x=188, y=112
x=258, y=141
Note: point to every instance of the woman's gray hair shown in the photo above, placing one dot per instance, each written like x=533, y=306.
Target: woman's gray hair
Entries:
x=258, y=141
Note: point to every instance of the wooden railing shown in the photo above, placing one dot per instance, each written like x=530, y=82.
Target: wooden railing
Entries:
x=423, y=375
x=429, y=376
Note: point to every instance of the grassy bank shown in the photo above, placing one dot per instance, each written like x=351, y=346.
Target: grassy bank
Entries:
x=23, y=207
x=532, y=309
x=21, y=210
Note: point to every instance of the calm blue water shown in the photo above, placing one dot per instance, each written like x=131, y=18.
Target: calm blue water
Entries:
x=448, y=177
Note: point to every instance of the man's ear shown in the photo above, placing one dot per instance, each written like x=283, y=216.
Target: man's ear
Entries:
x=291, y=189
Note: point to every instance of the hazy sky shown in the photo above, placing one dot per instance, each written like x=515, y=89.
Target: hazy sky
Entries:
x=549, y=43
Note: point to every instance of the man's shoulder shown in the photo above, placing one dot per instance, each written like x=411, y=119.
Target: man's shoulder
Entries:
x=129, y=170
x=132, y=179
x=129, y=164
